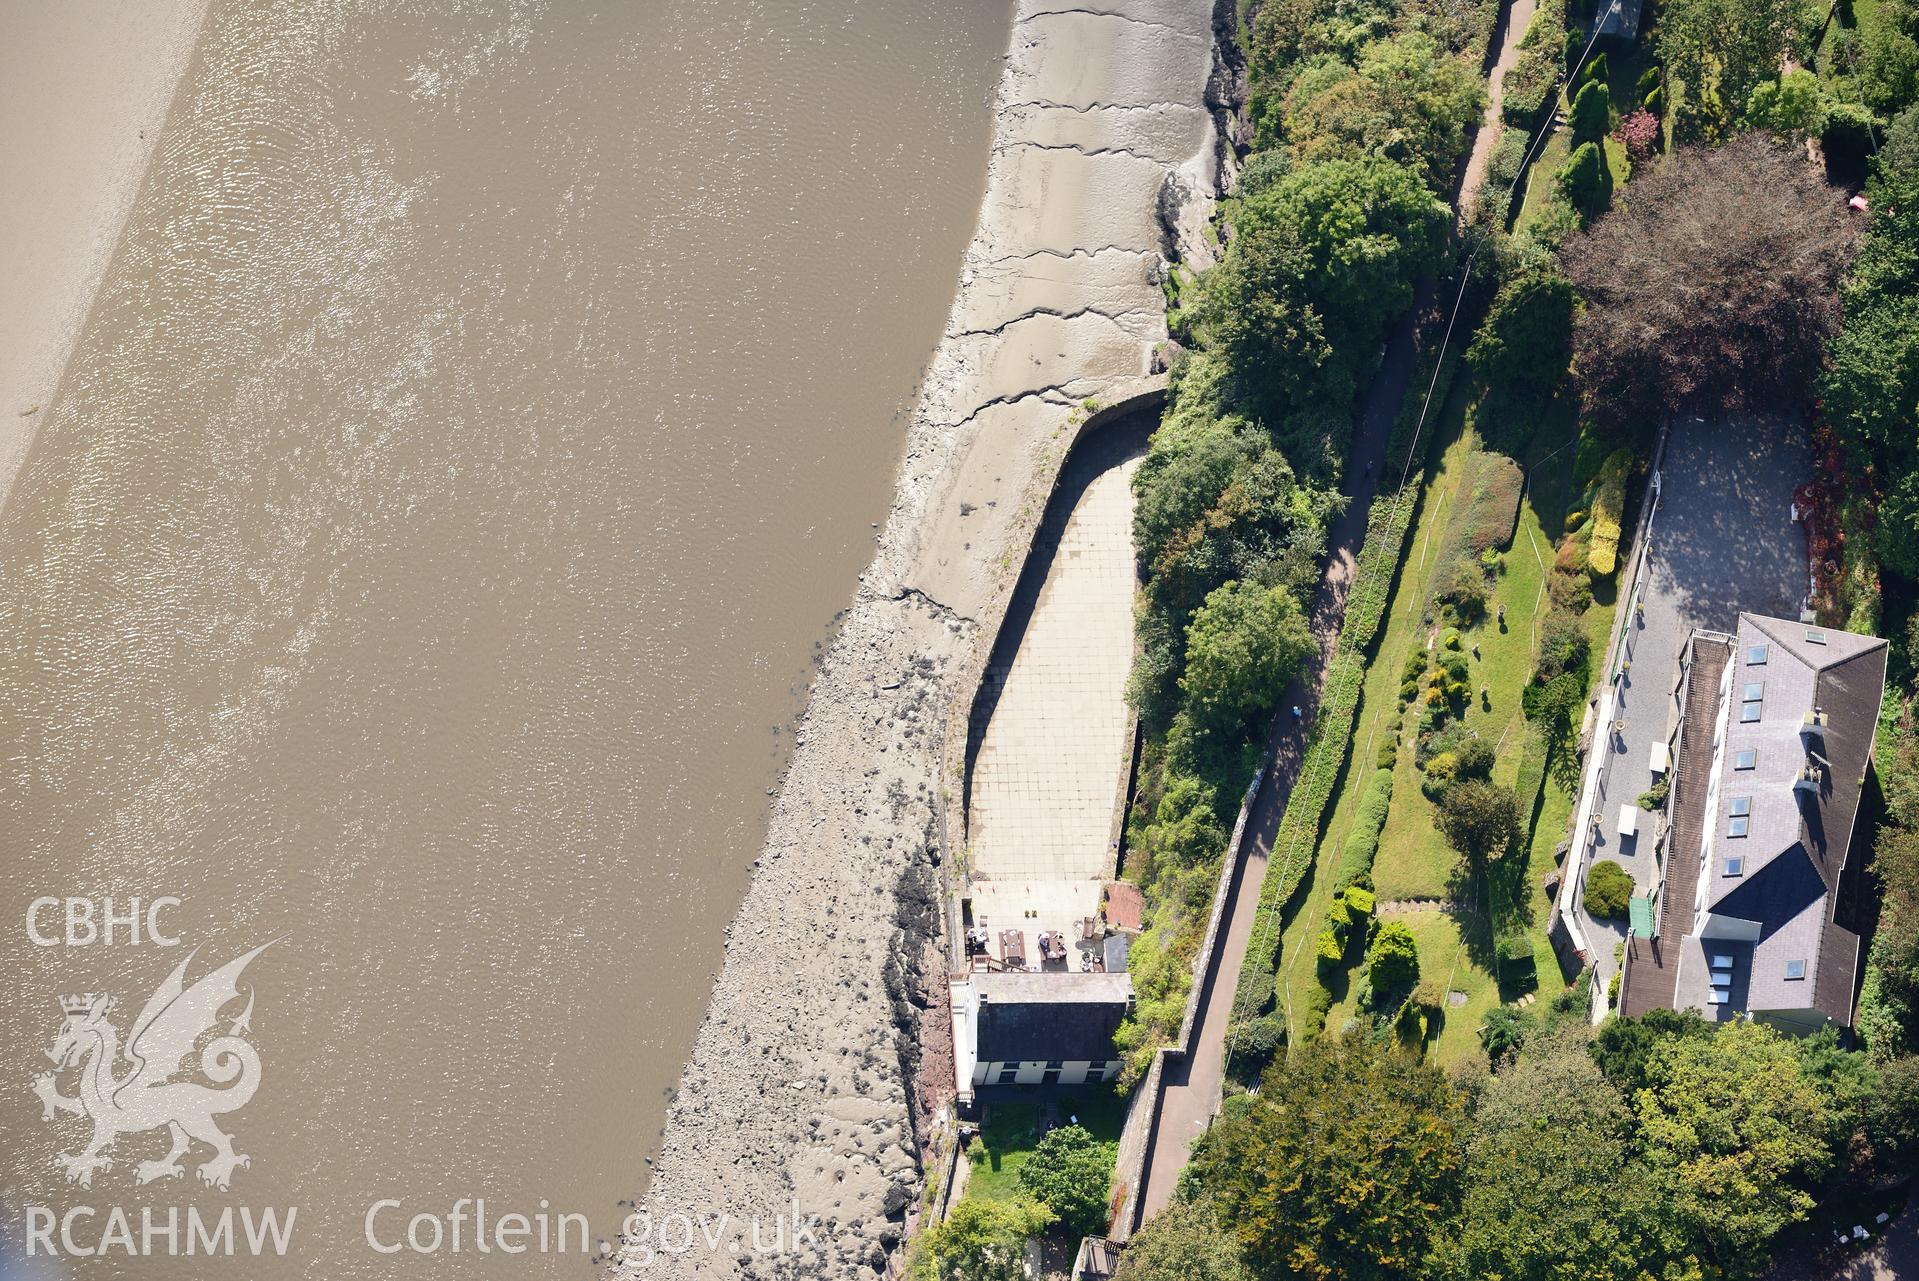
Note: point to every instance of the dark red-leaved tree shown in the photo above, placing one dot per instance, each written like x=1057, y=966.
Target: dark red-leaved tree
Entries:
x=1712, y=285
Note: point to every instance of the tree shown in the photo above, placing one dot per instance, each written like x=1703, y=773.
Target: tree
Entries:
x=1792, y=106
x=1480, y=819
x=1892, y=1117
x=981, y=1240
x=1071, y=1173
x=1592, y=113
x=1504, y=1034
x=1552, y=1192
x=1586, y=182
x=1871, y=383
x=1608, y=887
x=1185, y=830
x=1368, y=228
x=1525, y=344
x=1721, y=50
x=1345, y=1165
x=1392, y=961
x=1623, y=1048
x=1713, y=288
x=1736, y=1138
x=1257, y=313
x=1407, y=100
x=1244, y=645
x=1887, y=73
x=1183, y=1242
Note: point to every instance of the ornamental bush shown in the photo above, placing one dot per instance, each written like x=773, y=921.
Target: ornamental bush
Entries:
x=1608, y=888
x=1591, y=114
x=1393, y=959
x=1585, y=182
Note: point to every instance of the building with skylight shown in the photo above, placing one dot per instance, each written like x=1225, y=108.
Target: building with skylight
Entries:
x=1758, y=877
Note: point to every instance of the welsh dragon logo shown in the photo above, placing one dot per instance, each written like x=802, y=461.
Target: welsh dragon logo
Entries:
x=156, y=1091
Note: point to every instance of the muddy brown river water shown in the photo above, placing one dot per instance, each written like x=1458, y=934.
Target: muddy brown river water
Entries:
x=483, y=415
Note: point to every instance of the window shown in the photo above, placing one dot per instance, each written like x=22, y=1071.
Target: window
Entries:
x=1745, y=758
x=1815, y=637
x=1755, y=690
x=1795, y=969
x=1737, y=826
x=1748, y=713
x=1756, y=656
x=1741, y=805
x=1735, y=866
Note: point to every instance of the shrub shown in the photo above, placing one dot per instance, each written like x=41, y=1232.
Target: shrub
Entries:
x=1654, y=797
x=1475, y=758
x=1362, y=838
x=1592, y=113
x=1328, y=948
x=1595, y=72
x=1393, y=960
x=1465, y=590
x=1360, y=900
x=1608, y=887
x=1514, y=950
x=1609, y=506
x=1586, y=183
x=1525, y=342
x=1639, y=134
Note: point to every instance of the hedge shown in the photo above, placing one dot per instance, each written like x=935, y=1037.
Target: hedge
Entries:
x=1299, y=827
x=1608, y=509
x=1530, y=86
x=1362, y=839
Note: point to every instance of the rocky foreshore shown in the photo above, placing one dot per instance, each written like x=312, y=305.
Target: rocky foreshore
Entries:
x=798, y=1099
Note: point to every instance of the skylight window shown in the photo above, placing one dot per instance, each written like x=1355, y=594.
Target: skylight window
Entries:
x=1741, y=805
x=1735, y=866
x=1756, y=656
x=1745, y=758
x=1755, y=690
x=1738, y=826
x=1748, y=713
x=1815, y=637
x=1795, y=969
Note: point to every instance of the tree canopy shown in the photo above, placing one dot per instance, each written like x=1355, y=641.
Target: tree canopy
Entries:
x=1071, y=1173
x=1714, y=285
x=1183, y=1242
x=1346, y=1165
x=1245, y=643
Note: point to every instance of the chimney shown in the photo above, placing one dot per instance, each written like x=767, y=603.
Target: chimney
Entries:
x=1812, y=730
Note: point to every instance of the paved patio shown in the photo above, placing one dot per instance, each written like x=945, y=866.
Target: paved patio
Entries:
x=1051, y=769
x=1722, y=540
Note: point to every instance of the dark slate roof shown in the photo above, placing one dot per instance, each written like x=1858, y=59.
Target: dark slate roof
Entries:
x=1622, y=22
x=1795, y=851
x=1066, y=1017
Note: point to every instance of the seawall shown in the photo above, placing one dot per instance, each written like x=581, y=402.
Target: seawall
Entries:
x=800, y=1090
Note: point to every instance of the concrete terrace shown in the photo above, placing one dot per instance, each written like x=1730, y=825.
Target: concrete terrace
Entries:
x=1053, y=732
x=1722, y=540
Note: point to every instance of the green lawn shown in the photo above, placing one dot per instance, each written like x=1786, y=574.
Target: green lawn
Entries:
x=1414, y=860
x=1010, y=1132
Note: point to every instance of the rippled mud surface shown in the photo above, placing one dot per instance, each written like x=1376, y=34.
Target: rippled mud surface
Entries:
x=482, y=419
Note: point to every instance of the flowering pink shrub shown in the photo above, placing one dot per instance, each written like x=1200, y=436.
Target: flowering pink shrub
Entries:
x=1639, y=134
